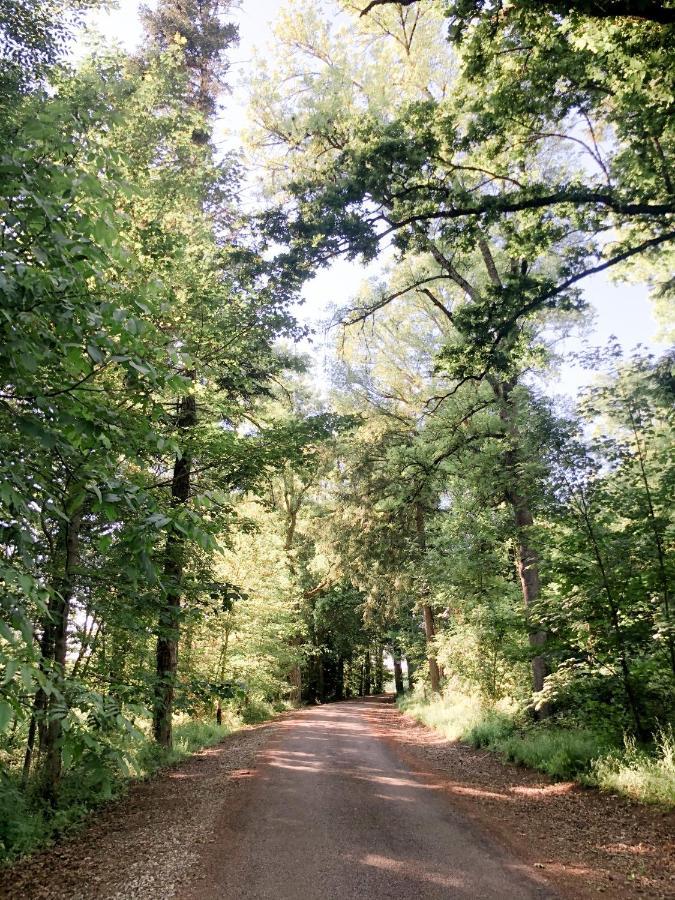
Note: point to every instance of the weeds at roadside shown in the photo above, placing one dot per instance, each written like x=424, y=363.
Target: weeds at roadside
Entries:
x=26, y=825
x=589, y=756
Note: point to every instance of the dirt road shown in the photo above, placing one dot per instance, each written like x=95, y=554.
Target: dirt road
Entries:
x=355, y=800
x=333, y=814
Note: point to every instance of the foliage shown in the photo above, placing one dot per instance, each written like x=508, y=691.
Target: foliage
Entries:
x=646, y=777
x=459, y=715
x=560, y=753
x=591, y=756
x=27, y=826
x=131, y=292
x=189, y=529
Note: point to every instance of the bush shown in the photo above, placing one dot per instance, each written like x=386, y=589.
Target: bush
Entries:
x=256, y=711
x=21, y=828
x=491, y=730
x=561, y=751
x=96, y=776
x=640, y=775
x=453, y=714
x=462, y=717
x=556, y=751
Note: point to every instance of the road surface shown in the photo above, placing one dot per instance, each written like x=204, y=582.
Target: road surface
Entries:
x=330, y=812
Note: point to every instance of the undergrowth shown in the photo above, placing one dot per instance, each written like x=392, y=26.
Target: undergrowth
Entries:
x=643, y=776
x=27, y=825
x=592, y=756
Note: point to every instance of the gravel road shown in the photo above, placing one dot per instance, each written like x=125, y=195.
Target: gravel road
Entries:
x=333, y=814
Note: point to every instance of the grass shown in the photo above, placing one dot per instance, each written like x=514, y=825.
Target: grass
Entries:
x=558, y=752
x=590, y=756
x=188, y=738
x=26, y=825
x=461, y=717
x=649, y=778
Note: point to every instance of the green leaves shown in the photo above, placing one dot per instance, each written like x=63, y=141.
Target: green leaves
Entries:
x=6, y=715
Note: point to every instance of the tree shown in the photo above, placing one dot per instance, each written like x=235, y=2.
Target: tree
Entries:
x=205, y=35
x=458, y=167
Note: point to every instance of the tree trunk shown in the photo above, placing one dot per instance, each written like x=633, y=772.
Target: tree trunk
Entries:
x=429, y=628
x=222, y=662
x=57, y=645
x=527, y=558
x=292, y=509
x=367, y=678
x=528, y=571
x=379, y=669
x=340, y=679
x=169, y=615
x=30, y=743
x=429, y=632
x=37, y=719
x=320, y=680
x=295, y=678
x=398, y=672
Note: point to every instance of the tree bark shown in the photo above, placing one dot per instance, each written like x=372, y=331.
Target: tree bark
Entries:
x=398, y=672
x=429, y=627
x=56, y=645
x=410, y=668
x=367, y=678
x=169, y=615
x=527, y=558
x=429, y=632
x=320, y=680
x=292, y=506
x=379, y=669
x=295, y=678
x=340, y=679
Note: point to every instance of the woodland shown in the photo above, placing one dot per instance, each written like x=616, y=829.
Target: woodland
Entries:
x=202, y=523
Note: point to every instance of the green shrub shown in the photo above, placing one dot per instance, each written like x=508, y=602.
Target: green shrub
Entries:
x=648, y=777
x=556, y=751
x=256, y=711
x=21, y=828
x=188, y=737
x=95, y=776
x=491, y=730
x=462, y=717
x=453, y=714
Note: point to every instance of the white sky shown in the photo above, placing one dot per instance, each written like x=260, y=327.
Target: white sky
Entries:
x=621, y=310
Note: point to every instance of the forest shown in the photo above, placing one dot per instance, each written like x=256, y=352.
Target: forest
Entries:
x=212, y=510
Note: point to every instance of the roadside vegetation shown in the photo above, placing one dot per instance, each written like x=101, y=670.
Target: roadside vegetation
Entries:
x=27, y=824
x=564, y=751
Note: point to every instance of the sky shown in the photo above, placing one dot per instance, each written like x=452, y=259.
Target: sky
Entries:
x=620, y=310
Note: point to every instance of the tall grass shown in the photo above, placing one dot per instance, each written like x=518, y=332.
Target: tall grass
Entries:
x=462, y=717
x=642, y=776
x=561, y=751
